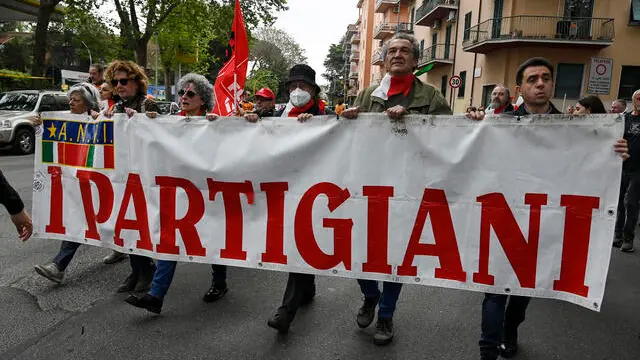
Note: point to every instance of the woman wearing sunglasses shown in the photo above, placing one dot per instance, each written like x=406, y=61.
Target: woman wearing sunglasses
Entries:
x=130, y=83
x=196, y=99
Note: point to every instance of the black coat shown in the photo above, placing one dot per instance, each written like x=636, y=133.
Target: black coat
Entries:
x=9, y=197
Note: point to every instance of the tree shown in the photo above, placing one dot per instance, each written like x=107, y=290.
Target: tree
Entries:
x=45, y=10
x=335, y=72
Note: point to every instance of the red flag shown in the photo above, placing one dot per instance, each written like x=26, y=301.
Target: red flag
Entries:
x=233, y=74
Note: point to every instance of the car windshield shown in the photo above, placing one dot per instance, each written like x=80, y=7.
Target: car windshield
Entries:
x=18, y=101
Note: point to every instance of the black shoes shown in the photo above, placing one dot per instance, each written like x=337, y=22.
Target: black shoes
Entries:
x=215, y=294
x=384, y=332
x=617, y=240
x=146, y=301
x=509, y=347
x=367, y=312
x=280, y=321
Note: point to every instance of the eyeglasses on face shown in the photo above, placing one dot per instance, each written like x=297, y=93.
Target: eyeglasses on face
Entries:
x=189, y=93
x=122, y=82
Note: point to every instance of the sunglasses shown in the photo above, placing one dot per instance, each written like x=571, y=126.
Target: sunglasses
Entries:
x=122, y=82
x=189, y=93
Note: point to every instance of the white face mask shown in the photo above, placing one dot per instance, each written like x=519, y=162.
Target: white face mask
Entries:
x=299, y=97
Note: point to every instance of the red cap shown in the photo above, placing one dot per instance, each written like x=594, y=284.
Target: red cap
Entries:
x=266, y=93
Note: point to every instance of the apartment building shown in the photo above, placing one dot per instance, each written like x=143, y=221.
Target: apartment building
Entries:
x=590, y=43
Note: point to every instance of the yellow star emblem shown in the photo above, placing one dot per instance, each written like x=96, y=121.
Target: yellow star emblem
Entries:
x=52, y=130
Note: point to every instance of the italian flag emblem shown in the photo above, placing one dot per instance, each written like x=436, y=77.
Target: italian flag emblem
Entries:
x=78, y=144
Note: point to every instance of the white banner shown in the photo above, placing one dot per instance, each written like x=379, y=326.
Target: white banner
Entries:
x=522, y=206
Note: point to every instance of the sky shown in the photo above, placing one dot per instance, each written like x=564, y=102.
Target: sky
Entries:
x=315, y=25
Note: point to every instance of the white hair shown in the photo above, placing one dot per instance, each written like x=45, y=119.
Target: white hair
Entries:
x=89, y=94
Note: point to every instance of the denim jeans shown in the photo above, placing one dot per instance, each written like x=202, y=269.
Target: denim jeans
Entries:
x=498, y=323
x=628, y=205
x=67, y=251
x=163, y=277
x=388, y=298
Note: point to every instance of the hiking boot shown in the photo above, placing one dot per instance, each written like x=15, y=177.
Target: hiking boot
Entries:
x=280, y=321
x=114, y=257
x=384, y=332
x=146, y=301
x=129, y=284
x=617, y=240
x=50, y=271
x=214, y=294
x=145, y=279
x=367, y=312
x=627, y=245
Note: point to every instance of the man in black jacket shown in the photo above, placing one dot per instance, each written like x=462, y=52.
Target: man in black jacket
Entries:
x=503, y=314
x=19, y=216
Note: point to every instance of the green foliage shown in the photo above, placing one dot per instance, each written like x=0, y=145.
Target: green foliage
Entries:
x=335, y=72
x=263, y=78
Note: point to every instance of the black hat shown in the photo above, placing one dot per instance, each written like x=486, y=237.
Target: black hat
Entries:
x=303, y=72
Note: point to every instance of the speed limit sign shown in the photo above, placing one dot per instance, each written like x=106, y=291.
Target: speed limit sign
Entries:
x=455, y=81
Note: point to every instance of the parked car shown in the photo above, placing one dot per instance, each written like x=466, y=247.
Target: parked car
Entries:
x=18, y=112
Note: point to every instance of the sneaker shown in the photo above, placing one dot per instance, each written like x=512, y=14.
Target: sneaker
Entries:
x=617, y=240
x=129, y=284
x=384, y=332
x=146, y=277
x=50, y=271
x=367, y=312
x=280, y=321
x=114, y=257
x=214, y=294
x=627, y=245
x=146, y=301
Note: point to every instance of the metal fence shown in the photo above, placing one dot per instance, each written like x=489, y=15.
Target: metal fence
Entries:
x=428, y=6
x=437, y=52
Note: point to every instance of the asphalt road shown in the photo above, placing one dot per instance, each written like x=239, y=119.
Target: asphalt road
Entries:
x=85, y=319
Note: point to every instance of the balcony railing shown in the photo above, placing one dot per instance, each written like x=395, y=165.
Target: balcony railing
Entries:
x=359, y=4
x=385, y=30
x=440, y=54
x=432, y=10
x=384, y=5
x=355, y=38
x=376, y=58
x=521, y=30
x=355, y=56
x=352, y=28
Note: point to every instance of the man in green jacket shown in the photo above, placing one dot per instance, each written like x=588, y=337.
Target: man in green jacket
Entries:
x=398, y=94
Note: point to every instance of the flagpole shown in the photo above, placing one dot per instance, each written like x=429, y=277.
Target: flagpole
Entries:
x=235, y=92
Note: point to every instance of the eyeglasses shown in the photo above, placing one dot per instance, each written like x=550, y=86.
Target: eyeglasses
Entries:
x=122, y=82
x=189, y=93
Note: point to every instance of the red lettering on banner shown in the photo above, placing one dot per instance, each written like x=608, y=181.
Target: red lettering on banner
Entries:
x=134, y=191
x=187, y=225
x=105, y=195
x=522, y=254
x=434, y=203
x=303, y=228
x=575, y=246
x=233, y=214
x=377, y=228
x=274, y=250
x=56, y=211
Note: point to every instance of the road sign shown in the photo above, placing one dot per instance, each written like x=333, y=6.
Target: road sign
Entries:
x=600, y=76
x=455, y=81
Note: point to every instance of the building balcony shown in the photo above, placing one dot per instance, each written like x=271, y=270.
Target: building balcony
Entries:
x=384, y=30
x=439, y=55
x=355, y=38
x=355, y=56
x=359, y=4
x=376, y=58
x=353, y=28
x=383, y=5
x=548, y=31
x=432, y=10
x=353, y=75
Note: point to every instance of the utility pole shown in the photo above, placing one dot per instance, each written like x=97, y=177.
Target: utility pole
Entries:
x=89, y=51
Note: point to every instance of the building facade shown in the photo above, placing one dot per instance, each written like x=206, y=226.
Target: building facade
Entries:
x=590, y=43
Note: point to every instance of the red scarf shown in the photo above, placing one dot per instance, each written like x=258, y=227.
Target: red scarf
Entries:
x=183, y=113
x=400, y=85
x=297, y=111
x=500, y=109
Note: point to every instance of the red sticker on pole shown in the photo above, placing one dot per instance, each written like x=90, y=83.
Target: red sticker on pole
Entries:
x=455, y=81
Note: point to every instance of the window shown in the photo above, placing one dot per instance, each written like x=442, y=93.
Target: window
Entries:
x=634, y=13
x=62, y=102
x=463, y=77
x=467, y=25
x=413, y=16
x=629, y=81
x=421, y=47
x=486, y=94
x=47, y=103
x=443, y=85
x=569, y=81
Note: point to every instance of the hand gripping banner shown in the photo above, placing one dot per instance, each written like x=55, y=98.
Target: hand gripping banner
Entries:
x=522, y=206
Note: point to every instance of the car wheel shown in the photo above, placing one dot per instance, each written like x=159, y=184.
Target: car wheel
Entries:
x=24, y=141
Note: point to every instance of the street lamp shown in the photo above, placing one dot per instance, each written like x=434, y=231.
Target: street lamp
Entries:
x=89, y=51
